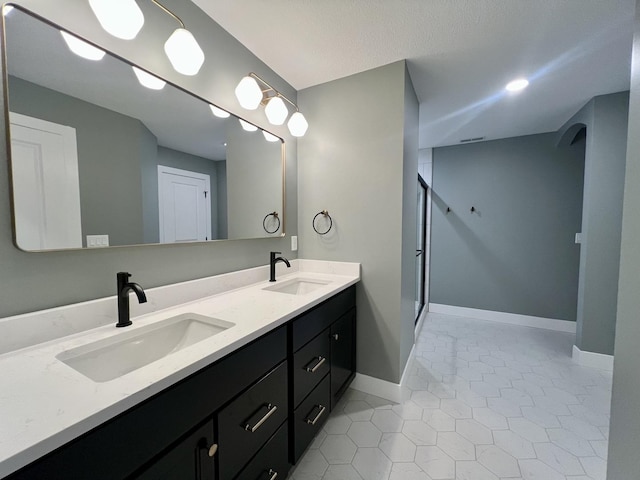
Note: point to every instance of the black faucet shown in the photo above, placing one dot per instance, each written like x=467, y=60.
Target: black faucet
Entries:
x=272, y=265
x=124, y=285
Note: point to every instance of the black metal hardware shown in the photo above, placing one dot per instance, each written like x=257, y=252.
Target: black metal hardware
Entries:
x=264, y=222
x=326, y=215
x=124, y=286
x=272, y=264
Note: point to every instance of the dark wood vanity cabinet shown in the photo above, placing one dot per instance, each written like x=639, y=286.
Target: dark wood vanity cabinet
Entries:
x=247, y=416
x=323, y=365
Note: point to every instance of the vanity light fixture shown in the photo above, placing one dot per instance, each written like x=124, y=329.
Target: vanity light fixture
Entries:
x=218, y=112
x=82, y=48
x=181, y=48
x=269, y=137
x=517, y=85
x=251, y=95
x=121, y=18
x=246, y=126
x=298, y=125
x=148, y=80
x=276, y=111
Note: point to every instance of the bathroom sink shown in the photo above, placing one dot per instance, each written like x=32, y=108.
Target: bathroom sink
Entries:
x=297, y=286
x=113, y=357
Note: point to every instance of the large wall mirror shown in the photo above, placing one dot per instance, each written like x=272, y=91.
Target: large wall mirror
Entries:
x=99, y=159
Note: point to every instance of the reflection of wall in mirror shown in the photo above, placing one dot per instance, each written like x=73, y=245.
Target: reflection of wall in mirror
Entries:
x=250, y=180
x=118, y=159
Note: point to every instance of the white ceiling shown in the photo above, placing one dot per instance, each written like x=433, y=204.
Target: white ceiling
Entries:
x=460, y=54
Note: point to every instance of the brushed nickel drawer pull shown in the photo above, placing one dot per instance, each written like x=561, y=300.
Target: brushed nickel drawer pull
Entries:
x=317, y=417
x=273, y=474
x=319, y=362
x=270, y=411
x=335, y=336
x=213, y=449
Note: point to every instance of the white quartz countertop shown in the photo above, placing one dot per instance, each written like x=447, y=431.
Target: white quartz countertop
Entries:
x=44, y=403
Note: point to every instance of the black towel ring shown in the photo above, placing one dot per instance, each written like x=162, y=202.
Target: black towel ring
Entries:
x=326, y=215
x=264, y=222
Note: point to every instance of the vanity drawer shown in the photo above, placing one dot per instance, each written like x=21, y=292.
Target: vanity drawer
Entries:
x=310, y=324
x=271, y=461
x=310, y=416
x=250, y=420
x=310, y=364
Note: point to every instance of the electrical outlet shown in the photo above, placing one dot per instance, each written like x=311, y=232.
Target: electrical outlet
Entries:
x=294, y=243
x=97, y=241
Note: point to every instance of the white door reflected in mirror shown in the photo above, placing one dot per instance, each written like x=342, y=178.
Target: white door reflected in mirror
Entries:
x=184, y=205
x=45, y=184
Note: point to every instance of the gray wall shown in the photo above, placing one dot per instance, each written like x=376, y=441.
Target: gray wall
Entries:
x=605, y=118
x=409, y=220
x=168, y=157
x=32, y=281
x=516, y=253
x=109, y=148
x=624, y=461
x=149, y=186
x=353, y=167
x=250, y=181
x=221, y=176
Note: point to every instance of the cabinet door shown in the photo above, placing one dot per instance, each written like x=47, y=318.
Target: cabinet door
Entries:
x=343, y=354
x=191, y=459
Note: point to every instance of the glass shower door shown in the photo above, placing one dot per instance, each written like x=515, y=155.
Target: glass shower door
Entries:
x=421, y=245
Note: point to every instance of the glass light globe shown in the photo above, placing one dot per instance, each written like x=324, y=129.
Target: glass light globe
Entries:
x=183, y=52
x=297, y=125
x=249, y=93
x=148, y=80
x=276, y=111
x=218, y=112
x=120, y=18
x=269, y=137
x=247, y=126
x=82, y=48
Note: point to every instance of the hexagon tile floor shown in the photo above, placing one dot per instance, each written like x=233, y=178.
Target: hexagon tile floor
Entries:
x=487, y=401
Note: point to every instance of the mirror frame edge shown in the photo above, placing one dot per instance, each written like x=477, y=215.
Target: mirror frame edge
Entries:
x=8, y=150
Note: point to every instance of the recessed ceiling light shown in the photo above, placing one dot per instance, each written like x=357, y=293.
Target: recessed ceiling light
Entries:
x=517, y=85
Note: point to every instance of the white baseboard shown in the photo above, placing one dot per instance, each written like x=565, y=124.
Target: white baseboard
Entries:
x=593, y=360
x=381, y=388
x=502, y=317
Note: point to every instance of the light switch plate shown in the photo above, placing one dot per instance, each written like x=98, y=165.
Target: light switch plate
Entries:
x=97, y=241
x=294, y=243
x=578, y=237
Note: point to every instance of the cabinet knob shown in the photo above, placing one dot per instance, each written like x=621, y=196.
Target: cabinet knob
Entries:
x=335, y=336
x=212, y=450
